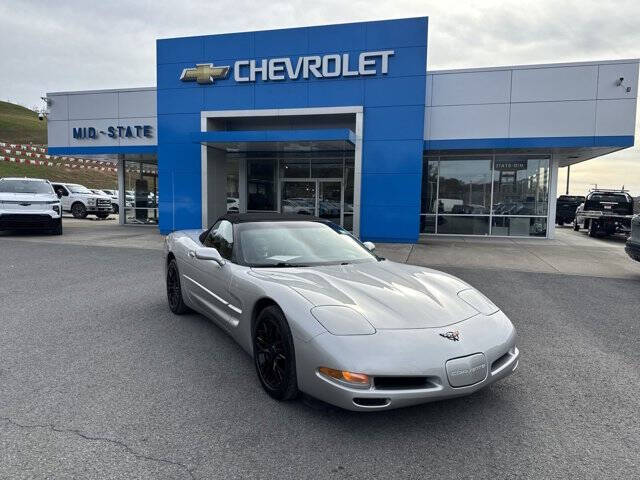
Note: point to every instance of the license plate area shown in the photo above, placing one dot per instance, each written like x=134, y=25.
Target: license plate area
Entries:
x=466, y=371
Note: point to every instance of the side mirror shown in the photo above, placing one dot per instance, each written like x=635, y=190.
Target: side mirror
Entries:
x=370, y=246
x=59, y=193
x=208, y=253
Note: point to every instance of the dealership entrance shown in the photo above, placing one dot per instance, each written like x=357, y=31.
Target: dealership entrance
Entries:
x=301, y=161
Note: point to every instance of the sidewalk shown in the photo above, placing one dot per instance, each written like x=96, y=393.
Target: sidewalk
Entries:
x=570, y=253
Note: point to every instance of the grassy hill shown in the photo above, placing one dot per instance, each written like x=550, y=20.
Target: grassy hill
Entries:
x=21, y=125
x=88, y=178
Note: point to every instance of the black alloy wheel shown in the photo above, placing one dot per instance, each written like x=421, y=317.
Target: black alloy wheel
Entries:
x=78, y=210
x=174, y=291
x=274, y=355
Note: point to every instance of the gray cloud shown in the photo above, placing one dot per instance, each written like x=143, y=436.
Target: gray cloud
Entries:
x=76, y=45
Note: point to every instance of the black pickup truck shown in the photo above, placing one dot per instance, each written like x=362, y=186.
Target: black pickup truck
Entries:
x=605, y=212
x=566, y=207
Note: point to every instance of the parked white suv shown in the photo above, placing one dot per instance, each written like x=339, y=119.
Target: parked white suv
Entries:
x=29, y=203
x=81, y=201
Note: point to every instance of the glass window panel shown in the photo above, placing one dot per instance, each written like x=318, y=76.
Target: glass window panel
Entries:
x=261, y=181
x=327, y=167
x=465, y=186
x=348, y=222
x=141, y=192
x=294, y=166
x=233, y=195
x=348, y=188
x=521, y=185
x=429, y=185
x=519, y=226
x=427, y=224
x=461, y=225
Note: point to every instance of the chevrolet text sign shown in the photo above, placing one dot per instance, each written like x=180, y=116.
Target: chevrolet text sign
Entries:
x=274, y=69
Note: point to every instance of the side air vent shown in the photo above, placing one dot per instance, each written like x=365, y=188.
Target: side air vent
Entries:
x=402, y=383
x=371, y=402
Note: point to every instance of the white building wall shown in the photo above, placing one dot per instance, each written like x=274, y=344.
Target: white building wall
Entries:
x=100, y=110
x=556, y=100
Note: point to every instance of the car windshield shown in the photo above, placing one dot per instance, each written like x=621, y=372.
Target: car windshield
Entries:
x=79, y=189
x=24, y=186
x=299, y=244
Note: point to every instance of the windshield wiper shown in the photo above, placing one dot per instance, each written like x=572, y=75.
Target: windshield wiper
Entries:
x=287, y=264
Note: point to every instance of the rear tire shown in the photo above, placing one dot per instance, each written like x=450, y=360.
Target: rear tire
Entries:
x=78, y=210
x=274, y=354
x=116, y=208
x=576, y=226
x=593, y=231
x=174, y=289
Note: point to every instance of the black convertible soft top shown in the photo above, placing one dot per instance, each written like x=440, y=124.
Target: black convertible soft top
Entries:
x=269, y=217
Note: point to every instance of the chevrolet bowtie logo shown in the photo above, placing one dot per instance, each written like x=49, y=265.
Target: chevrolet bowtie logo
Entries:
x=204, y=73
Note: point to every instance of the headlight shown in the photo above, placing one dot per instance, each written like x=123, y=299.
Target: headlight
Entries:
x=91, y=201
x=56, y=208
x=340, y=320
x=358, y=380
x=478, y=301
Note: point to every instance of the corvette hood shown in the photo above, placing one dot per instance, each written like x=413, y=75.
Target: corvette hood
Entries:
x=388, y=294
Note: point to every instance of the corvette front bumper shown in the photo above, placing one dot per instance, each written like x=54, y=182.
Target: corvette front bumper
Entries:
x=430, y=364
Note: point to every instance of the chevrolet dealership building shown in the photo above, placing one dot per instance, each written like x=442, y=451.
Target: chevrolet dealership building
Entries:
x=345, y=122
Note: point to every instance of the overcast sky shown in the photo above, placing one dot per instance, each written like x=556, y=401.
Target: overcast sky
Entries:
x=78, y=45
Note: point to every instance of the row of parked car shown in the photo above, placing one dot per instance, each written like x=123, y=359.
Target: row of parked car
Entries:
x=38, y=203
x=602, y=212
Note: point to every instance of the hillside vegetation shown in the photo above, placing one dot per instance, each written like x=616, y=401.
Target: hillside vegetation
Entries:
x=88, y=178
x=21, y=125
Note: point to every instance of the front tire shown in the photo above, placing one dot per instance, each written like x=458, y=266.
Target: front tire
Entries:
x=174, y=289
x=576, y=226
x=78, y=210
x=102, y=215
x=274, y=354
x=116, y=208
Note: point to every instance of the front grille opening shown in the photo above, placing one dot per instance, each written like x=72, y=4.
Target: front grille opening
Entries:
x=500, y=361
x=371, y=402
x=402, y=383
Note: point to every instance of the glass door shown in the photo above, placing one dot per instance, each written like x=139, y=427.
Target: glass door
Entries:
x=299, y=197
x=330, y=201
x=322, y=198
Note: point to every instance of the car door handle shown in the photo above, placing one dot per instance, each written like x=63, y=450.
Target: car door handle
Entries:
x=192, y=254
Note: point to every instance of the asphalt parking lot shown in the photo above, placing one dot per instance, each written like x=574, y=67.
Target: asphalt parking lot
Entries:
x=99, y=380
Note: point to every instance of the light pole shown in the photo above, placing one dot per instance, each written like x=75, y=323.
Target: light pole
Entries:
x=568, y=171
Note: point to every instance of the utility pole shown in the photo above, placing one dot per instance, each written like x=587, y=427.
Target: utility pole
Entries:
x=568, y=171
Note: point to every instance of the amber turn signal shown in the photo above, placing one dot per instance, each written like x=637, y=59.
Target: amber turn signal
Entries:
x=359, y=379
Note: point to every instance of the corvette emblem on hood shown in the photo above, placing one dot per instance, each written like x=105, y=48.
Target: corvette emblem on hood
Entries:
x=453, y=336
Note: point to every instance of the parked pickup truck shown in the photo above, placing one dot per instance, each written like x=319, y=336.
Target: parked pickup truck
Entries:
x=633, y=242
x=605, y=212
x=81, y=201
x=566, y=207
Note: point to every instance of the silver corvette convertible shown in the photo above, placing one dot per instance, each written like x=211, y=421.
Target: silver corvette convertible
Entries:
x=322, y=314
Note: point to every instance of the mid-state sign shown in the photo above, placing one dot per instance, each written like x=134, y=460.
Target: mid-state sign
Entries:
x=274, y=69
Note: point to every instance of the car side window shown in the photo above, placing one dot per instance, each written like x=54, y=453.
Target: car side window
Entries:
x=220, y=237
x=60, y=188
